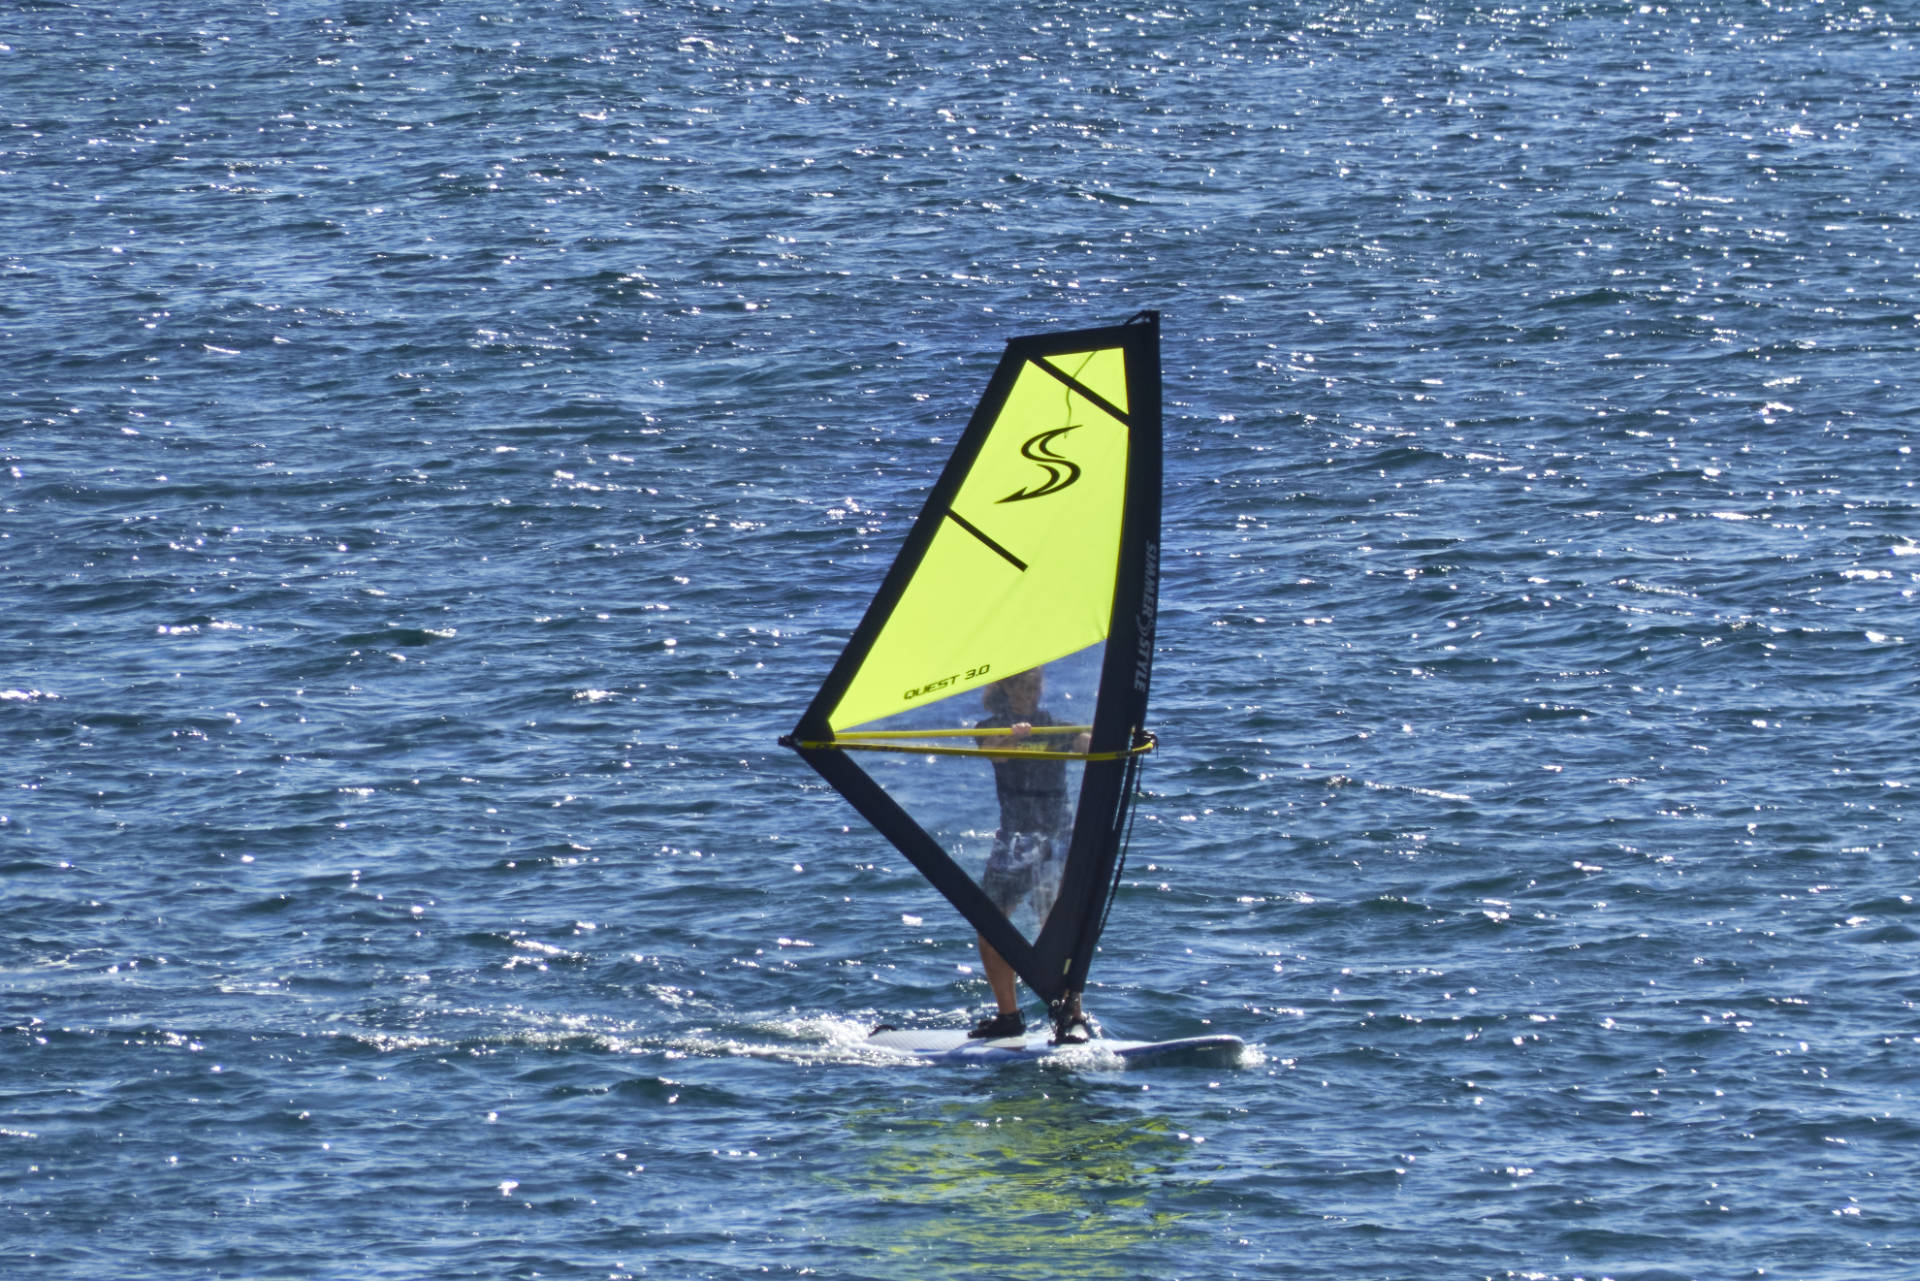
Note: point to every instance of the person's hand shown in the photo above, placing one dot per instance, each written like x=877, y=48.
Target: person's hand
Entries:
x=1020, y=730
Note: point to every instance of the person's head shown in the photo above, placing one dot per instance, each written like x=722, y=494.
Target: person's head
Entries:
x=1019, y=696
x=994, y=699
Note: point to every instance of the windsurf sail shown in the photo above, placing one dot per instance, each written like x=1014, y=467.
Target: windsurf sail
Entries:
x=988, y=715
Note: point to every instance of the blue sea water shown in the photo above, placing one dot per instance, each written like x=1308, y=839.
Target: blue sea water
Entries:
x=441, y=448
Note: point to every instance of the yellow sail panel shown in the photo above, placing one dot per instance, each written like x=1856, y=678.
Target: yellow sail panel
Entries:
x=1021, y=570
x=1102, y=372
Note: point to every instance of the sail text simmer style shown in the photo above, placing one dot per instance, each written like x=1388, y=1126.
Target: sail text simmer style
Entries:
x=1036, y=552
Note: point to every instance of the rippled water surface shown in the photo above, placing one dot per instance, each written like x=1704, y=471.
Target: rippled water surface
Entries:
x=443, y=447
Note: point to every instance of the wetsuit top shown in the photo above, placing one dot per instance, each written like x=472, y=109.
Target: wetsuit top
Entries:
x=1033, y=793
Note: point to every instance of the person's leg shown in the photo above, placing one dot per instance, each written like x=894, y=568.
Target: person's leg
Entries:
x=1006, y=995
x=1006, y=878
x=1001, y=978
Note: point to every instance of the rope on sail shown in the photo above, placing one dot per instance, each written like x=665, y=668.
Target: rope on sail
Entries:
x=1134, y=765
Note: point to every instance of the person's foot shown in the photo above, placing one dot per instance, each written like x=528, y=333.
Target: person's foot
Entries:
x=1001, y=1024
x=1077, y=1030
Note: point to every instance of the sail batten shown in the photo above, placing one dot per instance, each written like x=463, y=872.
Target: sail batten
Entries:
x=1074, y=384
x=987, y=538
x=1019, y=614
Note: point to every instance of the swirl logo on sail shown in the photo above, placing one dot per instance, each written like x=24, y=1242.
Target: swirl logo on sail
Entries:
x=1061, y=471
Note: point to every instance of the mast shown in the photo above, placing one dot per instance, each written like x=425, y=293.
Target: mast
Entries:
x=1107, y=796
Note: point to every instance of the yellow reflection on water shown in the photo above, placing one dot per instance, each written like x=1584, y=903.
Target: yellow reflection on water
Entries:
x=1028, y=1183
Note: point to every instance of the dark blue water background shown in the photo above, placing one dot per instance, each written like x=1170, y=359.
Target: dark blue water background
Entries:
x=443, y=448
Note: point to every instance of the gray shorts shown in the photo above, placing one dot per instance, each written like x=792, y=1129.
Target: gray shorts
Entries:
x=1023, y=867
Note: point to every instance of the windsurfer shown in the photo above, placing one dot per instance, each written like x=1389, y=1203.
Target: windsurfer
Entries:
x=1030, y=846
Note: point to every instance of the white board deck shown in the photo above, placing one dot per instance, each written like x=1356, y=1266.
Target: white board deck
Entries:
x=953, y=1045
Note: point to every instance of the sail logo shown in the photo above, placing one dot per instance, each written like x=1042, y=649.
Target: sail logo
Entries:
x=1061, y=471
x=931, y=687
x=1143, y=625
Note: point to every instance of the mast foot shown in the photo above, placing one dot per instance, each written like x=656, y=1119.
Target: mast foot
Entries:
x=1071, y=1024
